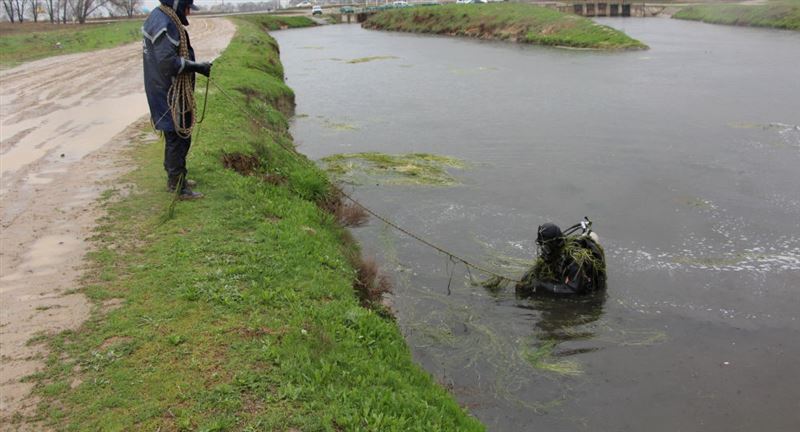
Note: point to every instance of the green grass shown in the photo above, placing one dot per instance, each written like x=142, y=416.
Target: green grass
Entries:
x=22, y=43
x=508, y=21
x=239, y=312
x=782, y=14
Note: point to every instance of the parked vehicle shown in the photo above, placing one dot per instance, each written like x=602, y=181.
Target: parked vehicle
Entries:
x=316, y=10
x=304, y=4
x=400, y=3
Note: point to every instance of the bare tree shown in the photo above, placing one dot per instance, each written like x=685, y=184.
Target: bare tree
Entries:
x=127, y=7
x=64, y=4
x=51, y=7
x=82, y=9
x=8, y=7
x=36, y=8
x=19, y=7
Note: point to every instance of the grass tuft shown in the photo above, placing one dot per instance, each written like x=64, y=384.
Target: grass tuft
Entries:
x=370, y=283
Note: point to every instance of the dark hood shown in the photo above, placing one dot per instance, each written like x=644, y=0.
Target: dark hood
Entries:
x=179, y=6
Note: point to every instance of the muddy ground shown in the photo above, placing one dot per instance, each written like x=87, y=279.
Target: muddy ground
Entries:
x=65, y=121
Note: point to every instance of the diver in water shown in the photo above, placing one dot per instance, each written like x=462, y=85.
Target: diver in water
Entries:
x=568, y=263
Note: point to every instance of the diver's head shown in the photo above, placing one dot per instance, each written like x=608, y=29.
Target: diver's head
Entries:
x=550, y=240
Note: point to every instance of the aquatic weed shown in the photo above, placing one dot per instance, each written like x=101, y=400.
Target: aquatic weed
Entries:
x=369, y=59
x=541, y=358
x=399, y=169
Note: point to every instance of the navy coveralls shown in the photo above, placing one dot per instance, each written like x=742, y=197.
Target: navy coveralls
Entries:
x=162, y=64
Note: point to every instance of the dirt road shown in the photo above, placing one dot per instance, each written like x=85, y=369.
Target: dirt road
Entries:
x=64, y=122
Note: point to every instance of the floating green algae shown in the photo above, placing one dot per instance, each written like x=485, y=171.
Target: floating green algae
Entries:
x=710, y=261
x=398, y=169
x=542, y=358
x=369, y=59
x=340, y=126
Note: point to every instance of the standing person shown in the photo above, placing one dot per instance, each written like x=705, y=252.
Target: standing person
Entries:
x=169, y=68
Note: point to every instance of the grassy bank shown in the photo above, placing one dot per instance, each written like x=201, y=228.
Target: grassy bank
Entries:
x=32, y=41
x=782, y=14
x=25, y=42
x=240, y=311
x=515, y=22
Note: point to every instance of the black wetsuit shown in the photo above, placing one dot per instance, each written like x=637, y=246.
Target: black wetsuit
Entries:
x=565, y=276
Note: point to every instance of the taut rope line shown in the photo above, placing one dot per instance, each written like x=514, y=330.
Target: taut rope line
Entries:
x=293, y=152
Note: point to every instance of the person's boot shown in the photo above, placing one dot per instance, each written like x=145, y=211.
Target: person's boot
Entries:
x=188, y=194
x=172, y=182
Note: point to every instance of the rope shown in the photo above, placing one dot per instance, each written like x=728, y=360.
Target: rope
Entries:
x=452, y=256
x=180, y=95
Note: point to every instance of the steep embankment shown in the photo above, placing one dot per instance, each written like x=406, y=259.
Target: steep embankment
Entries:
x=515, y=22
x=238, y=311
x=782, y=14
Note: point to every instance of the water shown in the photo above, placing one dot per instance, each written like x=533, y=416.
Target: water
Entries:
x=686, y=157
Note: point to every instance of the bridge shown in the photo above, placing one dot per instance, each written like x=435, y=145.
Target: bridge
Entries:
x=607, y=8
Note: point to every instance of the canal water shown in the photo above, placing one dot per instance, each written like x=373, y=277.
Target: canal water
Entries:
x=686, y=158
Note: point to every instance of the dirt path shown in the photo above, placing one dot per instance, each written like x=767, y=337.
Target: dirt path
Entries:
x=64, y=121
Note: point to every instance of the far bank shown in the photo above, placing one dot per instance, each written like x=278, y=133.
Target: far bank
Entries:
x=780, y=14
x=514, y=22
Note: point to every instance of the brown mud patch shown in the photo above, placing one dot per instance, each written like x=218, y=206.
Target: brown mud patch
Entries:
x=243, y=164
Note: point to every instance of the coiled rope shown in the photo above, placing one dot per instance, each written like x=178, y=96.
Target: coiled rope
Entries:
x=180, y=96
x=496, y=277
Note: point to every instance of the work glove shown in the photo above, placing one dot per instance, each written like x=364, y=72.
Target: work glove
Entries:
x=203, y=68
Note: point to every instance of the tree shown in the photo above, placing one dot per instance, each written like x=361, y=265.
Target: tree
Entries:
x=127, y=7
x=51, y=7
x=36, y=8
x=8, y=7
x=82, y=9
x=64, y=4
x=21, y=6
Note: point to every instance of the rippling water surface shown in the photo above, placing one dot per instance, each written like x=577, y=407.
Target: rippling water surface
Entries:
x=685, y=156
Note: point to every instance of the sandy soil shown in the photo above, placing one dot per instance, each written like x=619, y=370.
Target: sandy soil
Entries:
x=64, y=121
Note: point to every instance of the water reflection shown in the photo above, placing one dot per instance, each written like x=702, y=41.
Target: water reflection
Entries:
x=564, y=319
